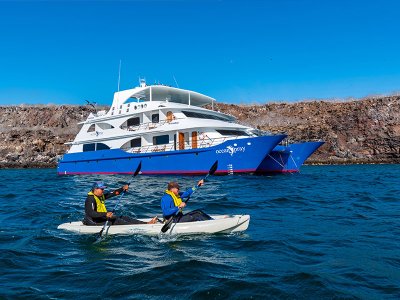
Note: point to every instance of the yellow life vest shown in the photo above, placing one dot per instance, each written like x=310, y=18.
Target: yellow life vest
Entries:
x=177, y=199
x=101, y=207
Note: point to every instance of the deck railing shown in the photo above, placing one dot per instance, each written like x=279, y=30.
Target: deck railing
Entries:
x=201, y=143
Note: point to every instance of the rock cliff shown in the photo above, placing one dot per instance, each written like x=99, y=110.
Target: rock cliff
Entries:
x=357, y=131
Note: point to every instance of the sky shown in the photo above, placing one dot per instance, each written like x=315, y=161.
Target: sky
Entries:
x=66, y=52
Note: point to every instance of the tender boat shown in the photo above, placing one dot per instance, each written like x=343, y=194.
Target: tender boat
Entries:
x=170, y=131
x=219, y=224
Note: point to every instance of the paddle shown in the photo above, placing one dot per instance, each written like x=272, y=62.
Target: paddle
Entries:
x=212, y=170
x=116, y=205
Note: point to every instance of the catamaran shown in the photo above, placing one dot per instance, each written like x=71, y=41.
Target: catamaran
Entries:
x=170, y=130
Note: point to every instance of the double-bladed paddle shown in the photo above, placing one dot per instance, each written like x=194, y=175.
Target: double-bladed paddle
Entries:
x=116, y=205
x=168, y=224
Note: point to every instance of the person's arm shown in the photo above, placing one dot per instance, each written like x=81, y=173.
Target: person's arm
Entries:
x=116, y=192
x=167, y=205
x=90, y=208
x=191, y=190
x=188, y=193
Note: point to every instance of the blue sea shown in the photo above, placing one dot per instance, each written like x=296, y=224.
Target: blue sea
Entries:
x=329, y=232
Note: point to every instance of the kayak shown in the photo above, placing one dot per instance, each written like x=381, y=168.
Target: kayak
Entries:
x=219, y=224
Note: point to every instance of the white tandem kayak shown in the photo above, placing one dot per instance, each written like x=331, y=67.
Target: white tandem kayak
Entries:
x=219, y=224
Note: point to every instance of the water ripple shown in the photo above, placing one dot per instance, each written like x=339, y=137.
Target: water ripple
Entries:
x=328, y=233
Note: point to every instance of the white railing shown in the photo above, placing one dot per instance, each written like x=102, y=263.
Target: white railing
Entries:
x=201, y=143
x=149, y=125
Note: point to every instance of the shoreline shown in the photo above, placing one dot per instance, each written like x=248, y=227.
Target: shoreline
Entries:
x=20, y=166
x=363, y=131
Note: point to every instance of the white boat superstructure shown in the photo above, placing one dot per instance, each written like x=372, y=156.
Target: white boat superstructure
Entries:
x=157, y=118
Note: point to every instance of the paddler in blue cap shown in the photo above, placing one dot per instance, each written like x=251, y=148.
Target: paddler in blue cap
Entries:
x=172, y=204
x=96, y=212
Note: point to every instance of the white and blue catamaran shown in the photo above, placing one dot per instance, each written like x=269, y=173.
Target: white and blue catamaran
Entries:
x=169, y=131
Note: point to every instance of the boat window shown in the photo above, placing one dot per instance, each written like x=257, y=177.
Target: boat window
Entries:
x=91, y=128
x=136, y=142
x=192, y=114
x=101, y=146
x=133, y=121
x=161, y=139
x=89, y=147
x=105, y=126
x=155, y=118
x=231, y=132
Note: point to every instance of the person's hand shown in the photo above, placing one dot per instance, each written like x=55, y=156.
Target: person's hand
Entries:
x=182, y=205
x=125, y=187
x=200, y=183
x=109, y=214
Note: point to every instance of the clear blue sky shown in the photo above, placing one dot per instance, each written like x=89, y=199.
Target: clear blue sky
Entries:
x=64, y=52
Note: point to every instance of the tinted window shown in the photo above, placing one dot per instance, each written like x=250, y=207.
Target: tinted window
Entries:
x=192, y=114
x=231, y=132
x=133, y=121
x=155, y=118
x=88, y=147
x=101, y=146
x=91, y=128
x=161, y=139
x=136, y=142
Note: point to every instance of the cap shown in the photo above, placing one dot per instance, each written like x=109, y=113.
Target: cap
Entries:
x=173, y=184
x=99, y=185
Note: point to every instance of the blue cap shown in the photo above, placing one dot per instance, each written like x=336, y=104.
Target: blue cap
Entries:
x=99, y=185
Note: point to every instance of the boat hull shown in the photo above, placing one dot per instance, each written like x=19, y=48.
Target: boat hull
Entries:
x=234, y=156
x=219, y=224
x=288, y=159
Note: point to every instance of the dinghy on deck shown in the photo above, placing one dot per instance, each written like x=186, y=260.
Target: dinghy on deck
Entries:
x=219, y=224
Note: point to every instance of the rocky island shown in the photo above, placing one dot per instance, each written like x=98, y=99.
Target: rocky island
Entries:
x=355, y=131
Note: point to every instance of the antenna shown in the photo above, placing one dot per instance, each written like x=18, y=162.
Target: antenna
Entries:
x=119, y=74
x=176, y=82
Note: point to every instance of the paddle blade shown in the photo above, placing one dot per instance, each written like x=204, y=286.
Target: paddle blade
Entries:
x=213, y=168
x=138, y=169
x=167, y=225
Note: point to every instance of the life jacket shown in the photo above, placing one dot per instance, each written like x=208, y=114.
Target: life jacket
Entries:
x=177, y=199
x=101, y=207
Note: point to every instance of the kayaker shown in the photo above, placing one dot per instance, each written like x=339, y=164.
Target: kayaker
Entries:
x=96, y=212
x=171, y=204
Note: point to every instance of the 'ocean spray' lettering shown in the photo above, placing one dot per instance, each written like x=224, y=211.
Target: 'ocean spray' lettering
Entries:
x=231, y=150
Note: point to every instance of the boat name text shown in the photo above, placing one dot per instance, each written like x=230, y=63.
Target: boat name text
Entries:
x=231, y=150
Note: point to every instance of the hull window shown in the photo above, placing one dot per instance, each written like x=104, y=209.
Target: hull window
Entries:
x=95, y=147
x=101, y=146
x=89, y=147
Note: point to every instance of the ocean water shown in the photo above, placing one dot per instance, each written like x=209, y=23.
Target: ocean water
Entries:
x=330, y=232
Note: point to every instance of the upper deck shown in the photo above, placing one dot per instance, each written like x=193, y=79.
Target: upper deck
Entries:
x=148, y=93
